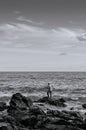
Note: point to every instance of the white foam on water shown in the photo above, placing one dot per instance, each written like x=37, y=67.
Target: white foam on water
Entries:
x=8, y=94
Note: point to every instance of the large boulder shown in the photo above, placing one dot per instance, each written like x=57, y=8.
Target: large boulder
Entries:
x=52, y=101
x=19, y=103
x=43, y=100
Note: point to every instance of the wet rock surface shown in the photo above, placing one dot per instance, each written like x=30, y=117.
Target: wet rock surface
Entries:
x=22, y=114
x=56, y=102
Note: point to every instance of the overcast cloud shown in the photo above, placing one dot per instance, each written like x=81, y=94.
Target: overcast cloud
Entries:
x=42, y=36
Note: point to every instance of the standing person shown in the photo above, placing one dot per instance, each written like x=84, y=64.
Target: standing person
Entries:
x=49, y=91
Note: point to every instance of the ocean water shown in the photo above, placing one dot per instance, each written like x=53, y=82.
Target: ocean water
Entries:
x=69, y=85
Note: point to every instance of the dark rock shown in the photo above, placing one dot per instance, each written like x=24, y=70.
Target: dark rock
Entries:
x=56, y=121
x=44, y=99
x=62, y=100
x=75, y=114
x=3, y=106
x=60, y=127
x=34, y=118
x=52, y=101
x=22, y=115
x=8, y=118
x=61, y=115
x=19, y=114
x=5, y=126
x=53, y=113
x=82, y=126
x=72, y=108
x=29, y=121
x=19, y=102
x=11, y=120
x=35, y=110
x=54, y=127
x=1, y=119
x=84, y=106
x=55, y=102
x=23, y=128
x=65, y=118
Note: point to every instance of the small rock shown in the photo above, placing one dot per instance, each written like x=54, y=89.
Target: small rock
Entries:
x=72, y=108
x=3, y=106
x=62, y=100
x=84, y=106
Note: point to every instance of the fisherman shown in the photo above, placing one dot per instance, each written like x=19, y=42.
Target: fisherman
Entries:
x=49, y=90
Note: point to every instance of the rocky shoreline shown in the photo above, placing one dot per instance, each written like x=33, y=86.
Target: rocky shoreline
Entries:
x=24, y=114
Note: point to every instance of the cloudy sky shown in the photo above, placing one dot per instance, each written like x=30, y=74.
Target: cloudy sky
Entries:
x=42, y=35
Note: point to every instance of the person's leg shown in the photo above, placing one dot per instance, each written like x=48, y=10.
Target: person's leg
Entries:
x=48, y=94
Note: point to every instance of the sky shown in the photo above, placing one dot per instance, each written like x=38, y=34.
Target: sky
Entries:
x=42, y=35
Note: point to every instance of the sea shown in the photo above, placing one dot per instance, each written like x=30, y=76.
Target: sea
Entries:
x=68, y=85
